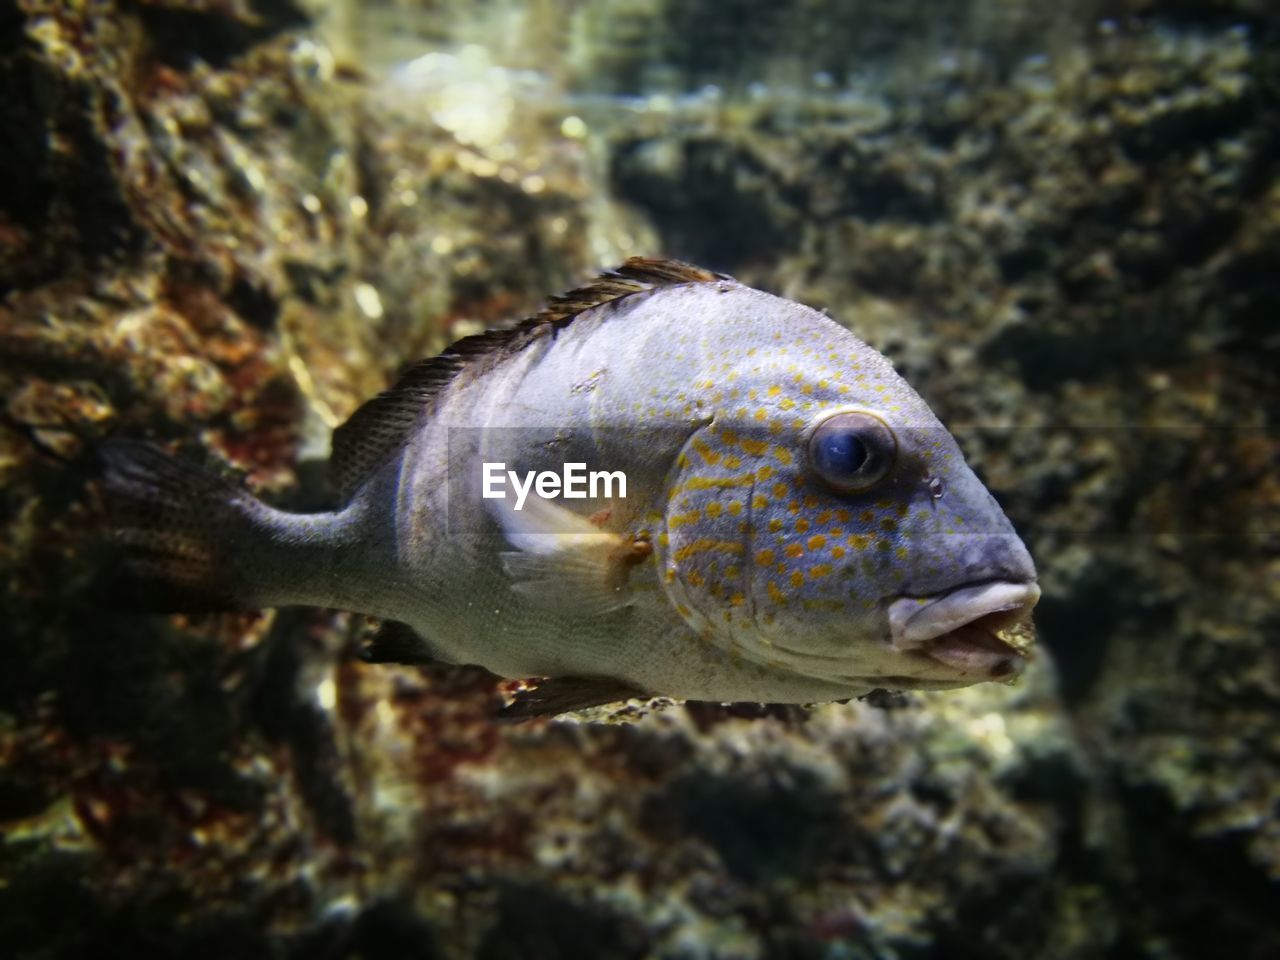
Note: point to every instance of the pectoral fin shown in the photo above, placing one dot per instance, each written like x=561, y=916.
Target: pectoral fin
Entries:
x=563, y=562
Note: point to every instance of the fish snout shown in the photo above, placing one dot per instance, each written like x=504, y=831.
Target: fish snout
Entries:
x=982, y=631
x=1000, y=556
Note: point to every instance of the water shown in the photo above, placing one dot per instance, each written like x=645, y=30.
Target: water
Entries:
x=1062, y=223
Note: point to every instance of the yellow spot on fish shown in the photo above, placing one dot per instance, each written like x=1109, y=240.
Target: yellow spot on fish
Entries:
x=704, y=544
x=783, y=455
x=737, y=600
x=837, y=551
x=780, y=490
x=755, y=447
x=764, y=473
x=775, y=525
x=786, y=403
x=858, y=542
x=705, y=451
x=715, y=483
x=819, y=571
x=802, y=525
x=776, y=595
x=774, y=390
x=714, y=509
x=765, y=557
x=735, y=507
x=759, y=502
x=797, y=579
x=794, y=550
x=817, y=541
x=728, y=436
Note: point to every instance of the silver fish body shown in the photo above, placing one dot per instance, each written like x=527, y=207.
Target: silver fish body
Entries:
x=797, y=525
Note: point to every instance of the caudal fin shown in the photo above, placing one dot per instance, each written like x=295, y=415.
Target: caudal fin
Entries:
x=184, y=532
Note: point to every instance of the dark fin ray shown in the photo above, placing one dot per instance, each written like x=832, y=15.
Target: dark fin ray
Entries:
x=380, y=428
x=557, y=695
x=175, y=526
x=397, y=642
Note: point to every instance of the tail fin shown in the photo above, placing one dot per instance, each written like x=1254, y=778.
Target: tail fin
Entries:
x=183, y=531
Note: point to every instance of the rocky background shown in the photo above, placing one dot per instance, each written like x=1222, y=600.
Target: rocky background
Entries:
x=225, y=222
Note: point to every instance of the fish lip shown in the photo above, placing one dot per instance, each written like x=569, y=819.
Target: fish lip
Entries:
x=958, y=628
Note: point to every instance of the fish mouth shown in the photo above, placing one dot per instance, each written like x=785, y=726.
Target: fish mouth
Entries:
x=980, y=631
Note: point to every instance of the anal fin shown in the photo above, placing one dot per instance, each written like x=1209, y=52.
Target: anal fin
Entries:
x=396, y=642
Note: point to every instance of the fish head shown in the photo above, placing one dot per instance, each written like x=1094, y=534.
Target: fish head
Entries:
x=831, y=527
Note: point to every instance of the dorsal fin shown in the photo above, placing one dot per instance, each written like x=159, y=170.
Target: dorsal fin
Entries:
x=381, y=427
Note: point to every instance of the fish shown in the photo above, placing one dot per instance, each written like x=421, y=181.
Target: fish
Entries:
x=794, y=525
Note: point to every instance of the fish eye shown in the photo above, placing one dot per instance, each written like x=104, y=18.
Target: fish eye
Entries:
x=852, y=452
